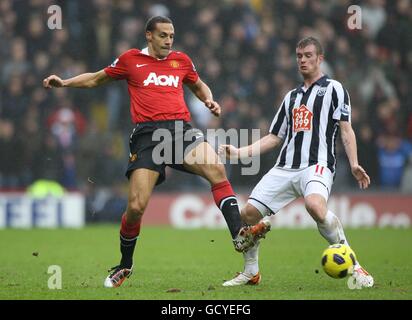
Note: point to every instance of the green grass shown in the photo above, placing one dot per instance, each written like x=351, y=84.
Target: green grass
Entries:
x=196, y=262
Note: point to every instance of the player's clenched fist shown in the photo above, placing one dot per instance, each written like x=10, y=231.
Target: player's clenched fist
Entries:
x=52, y=81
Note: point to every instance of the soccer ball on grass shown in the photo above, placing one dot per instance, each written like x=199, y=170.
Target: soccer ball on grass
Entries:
x=338, y=261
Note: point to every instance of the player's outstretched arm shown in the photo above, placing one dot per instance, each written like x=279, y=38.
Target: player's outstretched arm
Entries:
x=349, y=142
x=203, y=92
x=261, y=146
x=84, y=80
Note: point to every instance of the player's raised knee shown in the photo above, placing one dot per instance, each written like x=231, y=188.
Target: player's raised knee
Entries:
x=136, y=207
x=250, y=215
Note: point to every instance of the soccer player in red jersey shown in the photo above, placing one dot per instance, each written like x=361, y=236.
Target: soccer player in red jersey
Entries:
x=155, y=76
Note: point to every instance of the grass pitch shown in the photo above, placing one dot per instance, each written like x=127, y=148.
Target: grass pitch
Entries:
x=192, y=264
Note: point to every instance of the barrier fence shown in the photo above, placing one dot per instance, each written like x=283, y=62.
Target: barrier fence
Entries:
x=197, y=210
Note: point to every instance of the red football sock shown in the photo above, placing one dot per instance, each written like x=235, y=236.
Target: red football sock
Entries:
x=226, y=200
x=130, y=231
x=222, y=191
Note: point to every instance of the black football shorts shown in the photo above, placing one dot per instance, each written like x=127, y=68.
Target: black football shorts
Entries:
x=155, y=145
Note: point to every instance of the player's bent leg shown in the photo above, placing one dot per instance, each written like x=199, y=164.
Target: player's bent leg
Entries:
x=142, y=182
x=203, y=161
x=250, y=215
x=315, y=204
x=251, y=274
x=141, y=185
x=331, y=229
x=328, y=223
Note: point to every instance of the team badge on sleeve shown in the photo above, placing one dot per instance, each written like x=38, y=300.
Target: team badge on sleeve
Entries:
x=345, y=109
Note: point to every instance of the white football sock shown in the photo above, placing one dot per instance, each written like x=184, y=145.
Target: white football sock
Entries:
x=331, y=229
x=251, y=258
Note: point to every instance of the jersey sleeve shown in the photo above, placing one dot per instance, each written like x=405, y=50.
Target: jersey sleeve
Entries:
x=192, y=75
x=280, y=122
x=118, y=69
x=341, y=103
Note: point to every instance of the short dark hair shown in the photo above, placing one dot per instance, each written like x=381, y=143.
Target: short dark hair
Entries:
x=151, y=23
x=308, y=41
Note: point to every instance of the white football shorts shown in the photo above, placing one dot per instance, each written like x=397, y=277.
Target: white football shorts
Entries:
x=279, y=187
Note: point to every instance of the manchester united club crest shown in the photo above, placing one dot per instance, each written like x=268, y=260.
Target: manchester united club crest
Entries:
x=174, y=64
x=133, y=157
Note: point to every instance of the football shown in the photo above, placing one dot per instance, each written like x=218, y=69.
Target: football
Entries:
x=338, y=260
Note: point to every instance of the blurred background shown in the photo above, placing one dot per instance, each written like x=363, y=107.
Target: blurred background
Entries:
x=243, y=49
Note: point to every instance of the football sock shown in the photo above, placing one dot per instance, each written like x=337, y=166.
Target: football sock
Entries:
x=251, y=258
x=128, y=238
x=331, y=229
x=226, y=200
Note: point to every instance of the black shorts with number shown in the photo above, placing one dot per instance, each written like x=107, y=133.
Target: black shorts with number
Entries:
x=155, y=145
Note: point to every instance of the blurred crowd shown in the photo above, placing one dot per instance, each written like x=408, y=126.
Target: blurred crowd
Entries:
x=243, y=49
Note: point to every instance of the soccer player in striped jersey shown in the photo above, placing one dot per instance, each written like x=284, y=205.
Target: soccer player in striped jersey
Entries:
x=306, y=126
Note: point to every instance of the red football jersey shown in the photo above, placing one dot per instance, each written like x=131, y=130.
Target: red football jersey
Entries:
x=155, y=85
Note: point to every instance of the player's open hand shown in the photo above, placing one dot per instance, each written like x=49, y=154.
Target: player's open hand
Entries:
x=214, y=107
x=361, y=176
x=52, y=81
x=228, y=151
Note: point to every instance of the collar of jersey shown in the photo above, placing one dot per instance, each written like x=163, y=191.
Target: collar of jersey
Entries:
x=145, y=51
x=320, y=82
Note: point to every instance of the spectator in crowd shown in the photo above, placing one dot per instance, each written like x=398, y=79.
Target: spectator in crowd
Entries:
x=406, y=184
x=11, y=156
x=393, y=155
x=368, y=151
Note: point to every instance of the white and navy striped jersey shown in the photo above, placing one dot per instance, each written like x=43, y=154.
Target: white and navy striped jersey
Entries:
x=308, y=122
